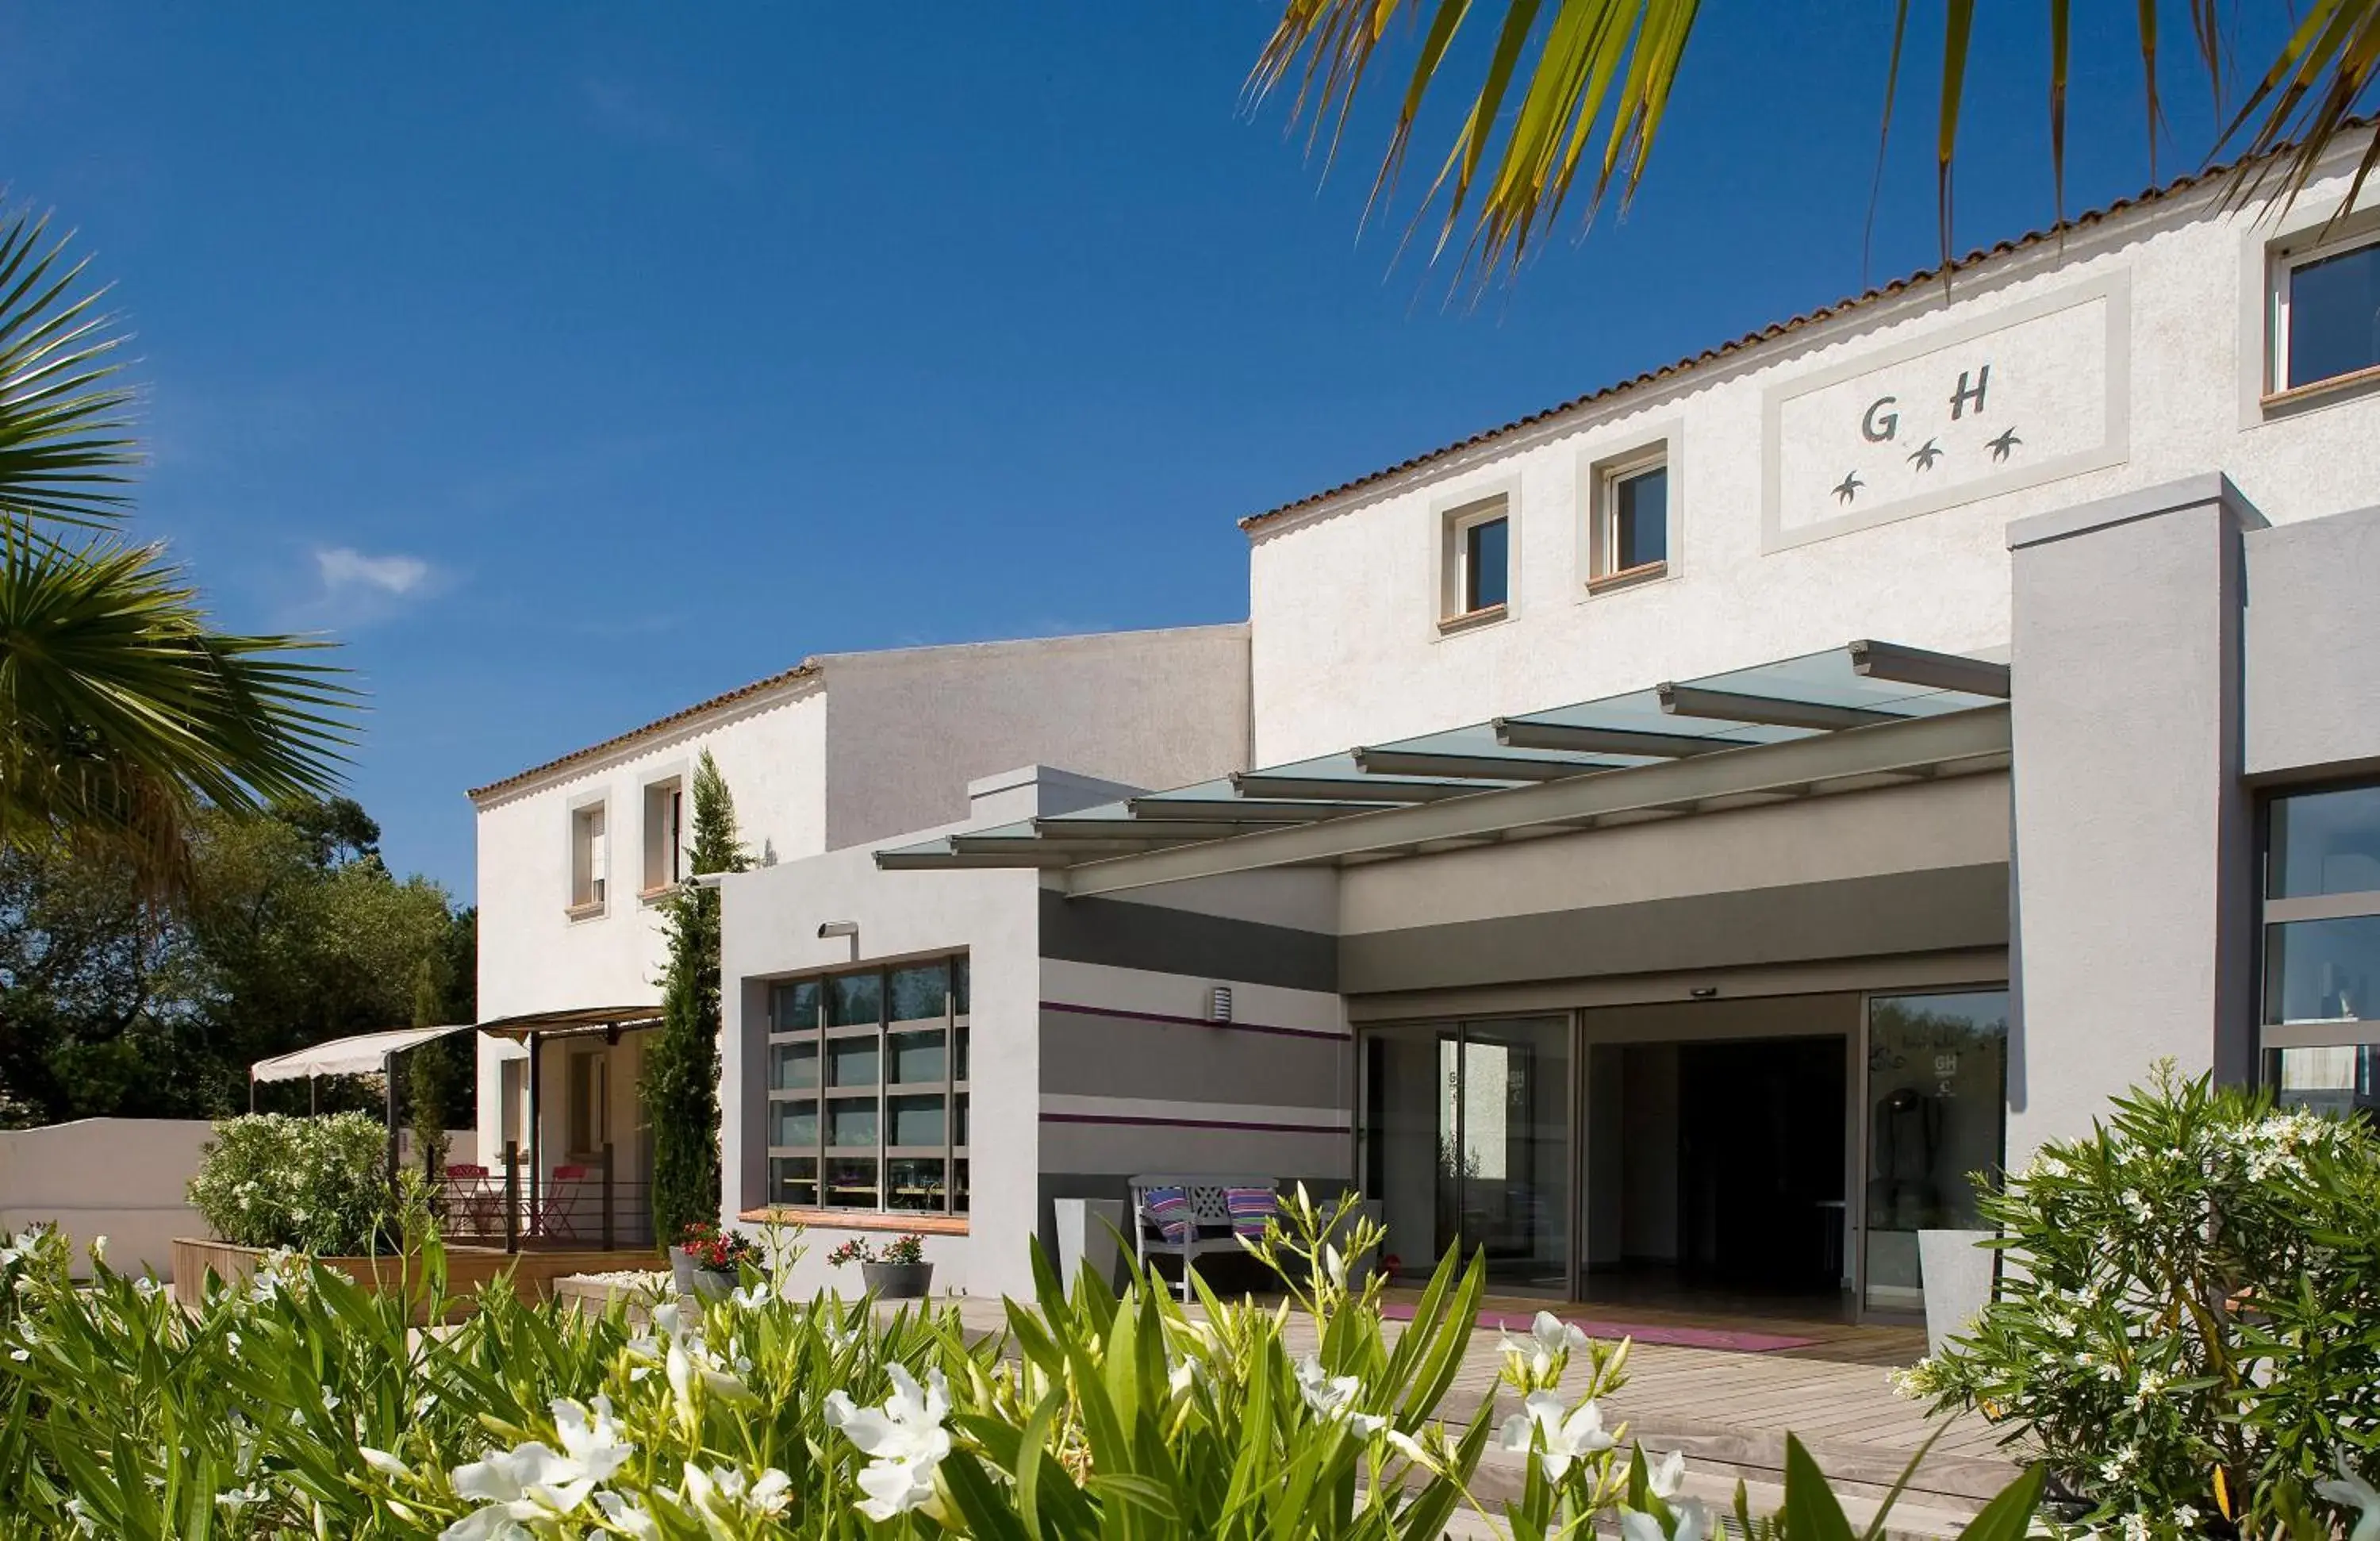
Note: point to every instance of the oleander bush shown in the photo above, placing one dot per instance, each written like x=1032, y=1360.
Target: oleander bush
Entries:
x=319, y=1185
x=299, y=1406
x=2187, y=1322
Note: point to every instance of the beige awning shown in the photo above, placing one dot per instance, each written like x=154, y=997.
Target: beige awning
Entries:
x=363, y=1054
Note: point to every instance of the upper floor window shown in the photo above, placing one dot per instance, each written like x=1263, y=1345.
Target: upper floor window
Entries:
x=588, y=859
x=867, y=1089
x=664, y=836
x=2326, y=313
x=1631, y=536
x=1476, y=562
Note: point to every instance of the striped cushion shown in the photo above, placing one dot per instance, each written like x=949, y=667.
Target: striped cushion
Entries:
x=1252, y=1210
x=1169, y=1210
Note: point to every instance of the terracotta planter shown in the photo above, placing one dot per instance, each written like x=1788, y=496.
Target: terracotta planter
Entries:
x=898, y=1281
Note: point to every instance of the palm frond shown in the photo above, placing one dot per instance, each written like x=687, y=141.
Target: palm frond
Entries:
x=64, y=418
x=1573, y=91
x=122, y=713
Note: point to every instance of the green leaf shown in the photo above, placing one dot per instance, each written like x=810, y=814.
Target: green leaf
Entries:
x=2009, y=1514
x=1812, y=1512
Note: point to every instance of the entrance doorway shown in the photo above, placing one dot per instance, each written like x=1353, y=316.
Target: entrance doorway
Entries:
x=1716, y=1171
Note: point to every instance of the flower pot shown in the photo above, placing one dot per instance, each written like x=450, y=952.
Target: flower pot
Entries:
x=693, y=1278
x=1956, y=1270
x=898, y=1281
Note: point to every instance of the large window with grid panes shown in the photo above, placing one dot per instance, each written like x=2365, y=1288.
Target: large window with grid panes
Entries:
x=2322, y=948
x=867, y=1089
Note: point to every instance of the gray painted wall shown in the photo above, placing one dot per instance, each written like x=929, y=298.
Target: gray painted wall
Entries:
x=2313, y=647
x=1848, y=917
x=2134, y=831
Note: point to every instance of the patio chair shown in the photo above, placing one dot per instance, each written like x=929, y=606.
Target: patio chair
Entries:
x=1199, y=1223
x=557, y=1218
x=473, y=1205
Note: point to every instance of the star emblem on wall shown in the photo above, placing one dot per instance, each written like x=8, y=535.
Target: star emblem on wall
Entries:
x=2003, y=444
x=1924, y=454
x=1848, y=488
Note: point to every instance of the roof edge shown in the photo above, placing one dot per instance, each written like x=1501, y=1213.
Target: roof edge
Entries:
x=800, y=674
x=1893, y=289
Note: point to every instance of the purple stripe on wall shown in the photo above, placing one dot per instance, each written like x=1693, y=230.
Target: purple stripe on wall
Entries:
x=1192, y=1021
x=1338, y=1129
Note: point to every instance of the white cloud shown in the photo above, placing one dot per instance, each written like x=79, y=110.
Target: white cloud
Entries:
x=344, y=568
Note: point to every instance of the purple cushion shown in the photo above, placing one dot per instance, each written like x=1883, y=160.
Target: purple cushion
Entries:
x=1251, y=1209
x=1169, y=1210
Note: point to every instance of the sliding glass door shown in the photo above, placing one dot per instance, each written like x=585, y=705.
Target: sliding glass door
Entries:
x=1937, y=1096
x=1467, y=1137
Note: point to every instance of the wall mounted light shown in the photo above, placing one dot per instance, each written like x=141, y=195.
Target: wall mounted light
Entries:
x=1219, y=1003
x=842, y=928
x=1704, y=992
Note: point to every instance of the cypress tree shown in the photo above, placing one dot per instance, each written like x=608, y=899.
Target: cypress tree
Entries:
x=680, y=1084
x=430, y=1071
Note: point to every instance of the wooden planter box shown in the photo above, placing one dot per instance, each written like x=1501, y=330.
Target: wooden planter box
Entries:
x=467, y=1267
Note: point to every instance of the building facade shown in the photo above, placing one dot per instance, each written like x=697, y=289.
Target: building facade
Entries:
x=574, y=855
x=1679, y=836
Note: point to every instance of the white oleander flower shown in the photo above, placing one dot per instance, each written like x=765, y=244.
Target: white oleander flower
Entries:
x=1562, y=1435
x=533, y=1481
x=1666, y=1476
x=1550, y=1340
x=724, y=1492
x=2350, y=1491
x=383, y=1463
x=904, y=1441
x=1693, y=1523
x=591, y=1438
x=627, y=1517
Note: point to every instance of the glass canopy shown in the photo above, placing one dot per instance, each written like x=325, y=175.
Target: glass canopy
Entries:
x=1862, y=686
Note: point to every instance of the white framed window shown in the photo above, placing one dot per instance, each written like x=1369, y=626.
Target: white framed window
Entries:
x=2323, y=331
x=1629, y=519
x=664, y=836
x=1476, y=562
x=588, y=859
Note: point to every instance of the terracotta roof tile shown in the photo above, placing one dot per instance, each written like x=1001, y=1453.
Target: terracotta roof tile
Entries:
x=806, y=669
x=1750, y=339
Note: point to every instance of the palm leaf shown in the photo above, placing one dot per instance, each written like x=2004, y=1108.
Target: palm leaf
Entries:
x=64, y=443
x=1563, y=79
x=122, y=713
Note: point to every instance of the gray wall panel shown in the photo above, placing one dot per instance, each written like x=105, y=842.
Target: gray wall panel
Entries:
x=1142, y=935
x=1100, y=1055
x=1907, y=912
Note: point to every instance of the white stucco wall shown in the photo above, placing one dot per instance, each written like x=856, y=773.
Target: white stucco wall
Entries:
x=770, y=929
x=1344, y=599
x=127, y=1179
x=868, y=746
x=908, y=729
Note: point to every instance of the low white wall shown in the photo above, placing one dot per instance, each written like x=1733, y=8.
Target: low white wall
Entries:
x=121, y=1178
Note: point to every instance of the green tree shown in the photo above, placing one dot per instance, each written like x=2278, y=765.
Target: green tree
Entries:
x=1574, y=90
x=123, y=716
x=430, y=1068
x=282, y=938
x=680, y=1086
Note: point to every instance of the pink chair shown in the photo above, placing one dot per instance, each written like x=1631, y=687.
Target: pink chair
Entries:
x=472, y=1199
x=558, y=1204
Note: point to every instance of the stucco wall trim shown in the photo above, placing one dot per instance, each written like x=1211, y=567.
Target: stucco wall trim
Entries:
x=2123, y=508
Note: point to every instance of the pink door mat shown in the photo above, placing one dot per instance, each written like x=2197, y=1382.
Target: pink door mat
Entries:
x=1643, y=1333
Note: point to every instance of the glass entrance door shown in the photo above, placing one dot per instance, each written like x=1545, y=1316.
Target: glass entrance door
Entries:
x=1936, y=1100
x=1467, y=1137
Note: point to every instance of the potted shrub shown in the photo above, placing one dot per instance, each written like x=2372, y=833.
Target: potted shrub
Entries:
x=705, y=1259
x=895, y=1270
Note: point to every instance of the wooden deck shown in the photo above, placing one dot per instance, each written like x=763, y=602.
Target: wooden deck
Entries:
x=1730, y=1411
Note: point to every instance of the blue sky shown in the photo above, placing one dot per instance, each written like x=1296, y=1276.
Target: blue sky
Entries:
x=571, y=363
